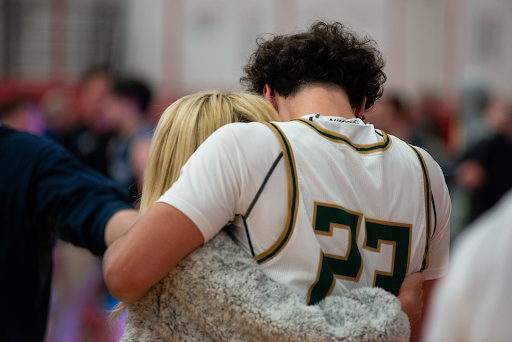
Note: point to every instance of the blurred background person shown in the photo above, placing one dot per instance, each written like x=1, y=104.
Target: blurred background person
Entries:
x=129, y=145
x=392, y=115
x=473, y=99
x=485, y=168
x=88, y=141
x=58, y=112
x=436, y=127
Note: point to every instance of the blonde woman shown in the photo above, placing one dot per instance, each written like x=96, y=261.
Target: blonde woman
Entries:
x=185, y=125
x=218, y=292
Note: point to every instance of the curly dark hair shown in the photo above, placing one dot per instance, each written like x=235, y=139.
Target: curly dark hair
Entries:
x=327, y=54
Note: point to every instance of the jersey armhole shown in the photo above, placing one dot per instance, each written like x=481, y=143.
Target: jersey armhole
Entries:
x=255, y=199
x=428, y=205
x=293, y=197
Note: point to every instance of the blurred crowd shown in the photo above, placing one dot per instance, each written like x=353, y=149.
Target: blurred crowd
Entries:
x=106, y=121
x=102, y=121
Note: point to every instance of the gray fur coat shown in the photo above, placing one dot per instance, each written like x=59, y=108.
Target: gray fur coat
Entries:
x=218, y=293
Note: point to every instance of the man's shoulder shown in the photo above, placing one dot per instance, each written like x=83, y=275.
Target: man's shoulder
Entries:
x=429, y=160
x=249, y=137
x=253, y=129
x=25, y=143
x=35, y=152
x=253, y=142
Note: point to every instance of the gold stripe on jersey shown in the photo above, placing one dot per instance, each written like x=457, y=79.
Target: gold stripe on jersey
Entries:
x=339, y=138
x=387, y=242
x=293, y=198
x=333, y=225
x=428, y=203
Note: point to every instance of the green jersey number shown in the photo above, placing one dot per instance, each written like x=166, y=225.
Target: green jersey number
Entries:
x=326, y=218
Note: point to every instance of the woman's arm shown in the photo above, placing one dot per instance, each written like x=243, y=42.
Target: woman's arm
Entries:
x=152, y=247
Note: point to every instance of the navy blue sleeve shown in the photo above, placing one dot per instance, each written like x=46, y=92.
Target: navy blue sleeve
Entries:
x=74, y=201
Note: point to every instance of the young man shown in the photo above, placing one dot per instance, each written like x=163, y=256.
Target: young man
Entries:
x=325, y=203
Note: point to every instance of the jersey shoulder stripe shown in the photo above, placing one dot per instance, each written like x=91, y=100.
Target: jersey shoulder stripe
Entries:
x=340, y=138
x=428, y=202
x=293, y=197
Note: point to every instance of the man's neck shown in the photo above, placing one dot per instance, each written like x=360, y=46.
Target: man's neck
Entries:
x=314, y=100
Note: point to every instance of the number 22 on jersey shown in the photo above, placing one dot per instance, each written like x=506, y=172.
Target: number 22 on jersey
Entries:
x=328, y=217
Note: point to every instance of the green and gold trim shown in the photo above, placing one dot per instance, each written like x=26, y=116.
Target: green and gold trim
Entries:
x=324, y=283
x=339, y=138
x=398, y=236
x=428, y=204
x=293, y=197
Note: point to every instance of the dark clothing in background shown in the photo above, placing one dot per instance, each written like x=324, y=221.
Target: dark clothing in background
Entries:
x=89, y=147
x=495, y=155
x=120, y=167
x=45, y=193
x=120, y=164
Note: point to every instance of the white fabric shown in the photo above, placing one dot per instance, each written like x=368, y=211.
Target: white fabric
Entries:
x=473, y=302
x=220, y=180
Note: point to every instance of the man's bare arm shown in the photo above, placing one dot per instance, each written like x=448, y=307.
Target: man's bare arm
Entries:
x=146, y=253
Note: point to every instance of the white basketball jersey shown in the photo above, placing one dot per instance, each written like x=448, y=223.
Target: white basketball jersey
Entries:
x=358, y=210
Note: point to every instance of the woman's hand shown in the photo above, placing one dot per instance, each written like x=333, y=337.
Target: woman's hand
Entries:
x=410, y=296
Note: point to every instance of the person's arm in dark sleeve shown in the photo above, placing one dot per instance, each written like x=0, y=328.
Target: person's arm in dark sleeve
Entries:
x=77, y=202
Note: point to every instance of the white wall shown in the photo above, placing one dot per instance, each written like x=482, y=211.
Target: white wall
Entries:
x=143, y=51
x=190, y=45
x=489, y=44
x=219, y=37
x=425, y=42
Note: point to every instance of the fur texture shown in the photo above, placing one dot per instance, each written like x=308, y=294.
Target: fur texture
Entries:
x=218, y=293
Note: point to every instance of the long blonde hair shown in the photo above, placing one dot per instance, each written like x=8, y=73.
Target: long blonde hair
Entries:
x=184, y=126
